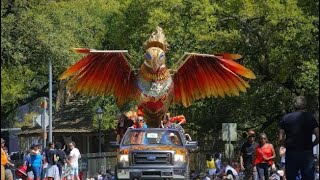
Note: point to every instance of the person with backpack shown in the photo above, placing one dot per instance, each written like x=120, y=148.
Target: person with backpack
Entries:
x=52, y=159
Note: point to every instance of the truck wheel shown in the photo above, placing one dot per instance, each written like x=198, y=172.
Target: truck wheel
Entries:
x=116, y=173
x=187, y=173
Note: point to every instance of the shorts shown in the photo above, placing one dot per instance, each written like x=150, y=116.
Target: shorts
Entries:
x=36, y=172
x=212, y=172
x=74, y=170
x=9, y=175
x=52, y=171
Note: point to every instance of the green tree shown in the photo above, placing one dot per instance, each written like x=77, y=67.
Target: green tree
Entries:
x=278, y=41
x=34, y=32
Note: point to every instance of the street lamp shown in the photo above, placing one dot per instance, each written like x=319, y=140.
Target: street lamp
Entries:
x=99, y=113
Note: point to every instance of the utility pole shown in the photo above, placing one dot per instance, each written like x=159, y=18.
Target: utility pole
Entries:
x=50, y=100
x=43, y=122
x=229, y=137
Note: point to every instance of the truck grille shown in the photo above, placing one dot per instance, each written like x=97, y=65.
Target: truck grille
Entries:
x=151, y=158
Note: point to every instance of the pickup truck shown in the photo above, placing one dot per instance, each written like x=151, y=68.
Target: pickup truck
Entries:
x=153, y=153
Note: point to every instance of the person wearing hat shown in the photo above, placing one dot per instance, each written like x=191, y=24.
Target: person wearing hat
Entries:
x=247, y=154
x=4, y=160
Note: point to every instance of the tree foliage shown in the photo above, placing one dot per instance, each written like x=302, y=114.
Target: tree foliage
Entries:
x=278, y=40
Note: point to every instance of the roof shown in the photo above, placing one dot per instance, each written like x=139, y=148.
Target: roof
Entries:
x=11, y=129
x=75, y=116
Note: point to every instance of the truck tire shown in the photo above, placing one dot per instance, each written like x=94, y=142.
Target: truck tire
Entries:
x=116, y=173
x=187, y=173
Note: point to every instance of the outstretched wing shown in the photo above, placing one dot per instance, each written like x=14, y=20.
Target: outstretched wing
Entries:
x=203, y=75
x=102, y=73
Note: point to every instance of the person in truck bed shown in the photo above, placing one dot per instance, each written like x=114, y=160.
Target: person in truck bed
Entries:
x=167, y=121
x=139, y=123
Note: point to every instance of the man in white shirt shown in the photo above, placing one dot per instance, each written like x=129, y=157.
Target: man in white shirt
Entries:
x=73, y=161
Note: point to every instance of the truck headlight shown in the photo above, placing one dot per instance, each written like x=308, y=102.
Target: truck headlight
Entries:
x=124, y=158
x=179, y=158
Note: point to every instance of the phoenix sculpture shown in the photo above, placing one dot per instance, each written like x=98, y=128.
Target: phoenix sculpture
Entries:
x=155, y=87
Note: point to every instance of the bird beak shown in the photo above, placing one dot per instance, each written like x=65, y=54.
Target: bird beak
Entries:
x=155, y=65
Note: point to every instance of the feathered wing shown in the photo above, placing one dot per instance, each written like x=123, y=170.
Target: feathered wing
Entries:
x=102, y=73
x=203, y=75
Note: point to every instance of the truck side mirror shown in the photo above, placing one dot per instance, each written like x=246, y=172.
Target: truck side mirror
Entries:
x=114, y=144
x=192, y=146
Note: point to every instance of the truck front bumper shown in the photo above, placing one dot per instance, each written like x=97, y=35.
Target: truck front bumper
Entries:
x=151, y=173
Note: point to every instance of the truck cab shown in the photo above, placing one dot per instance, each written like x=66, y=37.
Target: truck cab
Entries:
x=153, y=153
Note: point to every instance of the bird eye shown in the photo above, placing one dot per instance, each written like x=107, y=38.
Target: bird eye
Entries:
x=148, y=56
x=161, y=56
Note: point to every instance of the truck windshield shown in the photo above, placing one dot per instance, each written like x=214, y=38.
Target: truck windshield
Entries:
x=159, y=137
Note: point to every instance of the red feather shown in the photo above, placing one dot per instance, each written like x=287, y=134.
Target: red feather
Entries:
x=202, y=76
x=103, y=73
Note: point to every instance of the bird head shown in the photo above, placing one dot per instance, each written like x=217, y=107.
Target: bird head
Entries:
x=155, y=58
x=156, y=46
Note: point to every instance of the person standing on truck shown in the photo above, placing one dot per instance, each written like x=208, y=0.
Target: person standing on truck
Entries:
x=167, y=121
x=141, y=123
x=121, y=126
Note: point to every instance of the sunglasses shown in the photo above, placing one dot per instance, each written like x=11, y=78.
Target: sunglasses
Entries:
x=140, y=120
x=252, y=136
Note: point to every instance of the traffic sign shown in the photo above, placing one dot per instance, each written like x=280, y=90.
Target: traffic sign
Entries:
x=229, y=131
x=38, y=120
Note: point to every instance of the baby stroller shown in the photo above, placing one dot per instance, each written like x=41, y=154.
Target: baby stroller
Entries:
x=21, y=173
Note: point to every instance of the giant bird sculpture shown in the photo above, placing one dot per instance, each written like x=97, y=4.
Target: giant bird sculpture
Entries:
x=197, y=76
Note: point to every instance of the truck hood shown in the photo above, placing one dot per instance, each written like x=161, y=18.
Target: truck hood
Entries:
x=159, y=148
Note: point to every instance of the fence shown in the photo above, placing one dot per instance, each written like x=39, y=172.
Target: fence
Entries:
x=92, y=163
